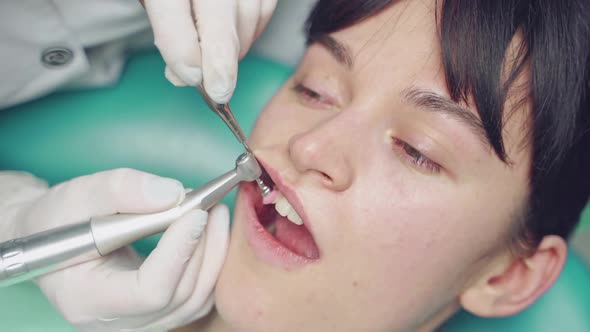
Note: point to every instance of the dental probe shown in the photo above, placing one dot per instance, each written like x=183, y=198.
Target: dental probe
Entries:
x=225, y=113
x=34, y=255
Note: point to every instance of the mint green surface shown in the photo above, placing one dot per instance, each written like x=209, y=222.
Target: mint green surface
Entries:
x=145, y=123
x=585, y=222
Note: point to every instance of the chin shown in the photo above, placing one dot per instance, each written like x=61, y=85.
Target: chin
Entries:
x=261, y=278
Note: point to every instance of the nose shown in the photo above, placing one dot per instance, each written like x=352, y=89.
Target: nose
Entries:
x=324, y=152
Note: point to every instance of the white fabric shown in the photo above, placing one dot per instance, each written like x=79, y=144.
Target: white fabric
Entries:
x=122, y=292
x=99, y=33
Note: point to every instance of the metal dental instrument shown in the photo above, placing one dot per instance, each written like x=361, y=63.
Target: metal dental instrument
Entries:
x=34, y=255
x=225, y=113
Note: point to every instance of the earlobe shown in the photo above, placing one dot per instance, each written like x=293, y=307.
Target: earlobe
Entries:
x=513, y=285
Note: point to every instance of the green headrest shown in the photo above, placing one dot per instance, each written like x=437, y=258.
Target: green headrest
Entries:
x=145, y=123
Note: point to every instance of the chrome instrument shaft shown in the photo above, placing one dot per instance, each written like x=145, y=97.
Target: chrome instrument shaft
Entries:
x=37, y=254
x=225, y=113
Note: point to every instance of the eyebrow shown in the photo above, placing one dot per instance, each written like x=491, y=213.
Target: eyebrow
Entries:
x=423, y=99
x=340, y=51
x=431, y=101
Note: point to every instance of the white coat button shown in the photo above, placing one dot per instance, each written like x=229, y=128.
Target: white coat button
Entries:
x=57, y=56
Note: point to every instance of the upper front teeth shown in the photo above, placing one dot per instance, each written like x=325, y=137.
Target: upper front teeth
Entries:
x=285, y=209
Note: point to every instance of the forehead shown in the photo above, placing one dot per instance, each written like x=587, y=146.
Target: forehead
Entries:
x=399, y=42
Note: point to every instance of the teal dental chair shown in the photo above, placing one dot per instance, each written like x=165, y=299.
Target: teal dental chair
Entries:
x=143, y=122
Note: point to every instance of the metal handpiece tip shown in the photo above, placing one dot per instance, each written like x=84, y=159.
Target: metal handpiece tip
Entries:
x=250, y=170
x=263, y=187
x=247, y=167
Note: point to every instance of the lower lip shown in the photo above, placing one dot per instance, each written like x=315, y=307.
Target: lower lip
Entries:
x=264, y=245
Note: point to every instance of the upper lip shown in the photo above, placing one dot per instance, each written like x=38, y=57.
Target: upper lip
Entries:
x=287, y=191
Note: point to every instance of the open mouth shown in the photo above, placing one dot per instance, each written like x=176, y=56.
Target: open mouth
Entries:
x=279, y=228
x=280, y=219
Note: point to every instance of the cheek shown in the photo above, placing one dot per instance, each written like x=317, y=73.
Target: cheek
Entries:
x=271, y=128
x=413, y=234
x=283, y=118
x=402, y=247
x=416, y=244
x=274, y=122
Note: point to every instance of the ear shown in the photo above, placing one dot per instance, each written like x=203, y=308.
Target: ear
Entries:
x=511, y=285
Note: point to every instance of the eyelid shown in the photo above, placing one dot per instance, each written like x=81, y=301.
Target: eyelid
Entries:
x=425, y=164
x=320, y=97
x=329, y=84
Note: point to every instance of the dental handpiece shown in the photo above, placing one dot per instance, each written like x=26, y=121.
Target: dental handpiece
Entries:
x=31, y=256
x=225, y=113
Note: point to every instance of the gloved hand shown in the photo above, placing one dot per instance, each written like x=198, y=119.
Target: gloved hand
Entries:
x=204, y=39
x=122, y=291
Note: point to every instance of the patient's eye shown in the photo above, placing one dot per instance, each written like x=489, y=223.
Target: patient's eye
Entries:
x=410, y=154
x=311, y=97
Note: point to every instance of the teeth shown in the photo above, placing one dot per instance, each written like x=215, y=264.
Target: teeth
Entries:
x=283, y=206
x=285, y=209
x=295, y=218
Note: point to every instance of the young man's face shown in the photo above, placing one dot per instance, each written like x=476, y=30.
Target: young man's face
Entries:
x=405, y=200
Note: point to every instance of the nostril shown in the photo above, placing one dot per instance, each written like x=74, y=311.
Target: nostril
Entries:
x=326, y=178
x=336, y=180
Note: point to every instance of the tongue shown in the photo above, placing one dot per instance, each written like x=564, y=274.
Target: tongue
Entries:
x=296, y=238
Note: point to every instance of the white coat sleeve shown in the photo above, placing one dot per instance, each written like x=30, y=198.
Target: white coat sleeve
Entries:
x=48, y=45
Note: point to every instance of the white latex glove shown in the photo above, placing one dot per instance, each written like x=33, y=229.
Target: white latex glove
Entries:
x=209, y=49
x=122, y=291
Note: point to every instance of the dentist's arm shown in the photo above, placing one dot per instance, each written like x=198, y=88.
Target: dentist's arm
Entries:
x=202, y=40
x=170, y=288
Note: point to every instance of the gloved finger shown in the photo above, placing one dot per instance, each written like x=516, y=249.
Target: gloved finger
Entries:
x=150, y=288
x=19, y=187
x=184, y=290
x=248, y=16
x=172, y=77
x=67, y=289
x=185, y=287
x=220, y=46
x=173, y=322
x=215, y=250
x=170, y=325
x=122, y=190
x=190, y=277
x=176, y=37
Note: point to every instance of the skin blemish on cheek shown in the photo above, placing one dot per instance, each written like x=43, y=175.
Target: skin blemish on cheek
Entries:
x=355, y=284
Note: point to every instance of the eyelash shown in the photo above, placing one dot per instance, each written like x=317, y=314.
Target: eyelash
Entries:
x=410, y=153
x=416, y=157
x=310, y=95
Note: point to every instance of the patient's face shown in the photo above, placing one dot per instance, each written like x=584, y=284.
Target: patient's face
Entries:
x=403, y=206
